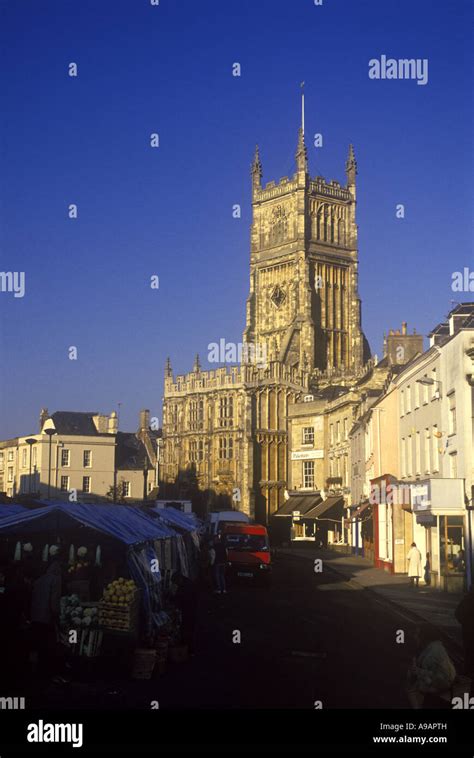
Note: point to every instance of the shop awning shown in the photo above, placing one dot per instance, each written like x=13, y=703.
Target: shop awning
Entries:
x=333, y=502
x=298, y=503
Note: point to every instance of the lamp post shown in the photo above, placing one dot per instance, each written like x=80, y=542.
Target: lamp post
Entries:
x=30, y=441
x=50, y=433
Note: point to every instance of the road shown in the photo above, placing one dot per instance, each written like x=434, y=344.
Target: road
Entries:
x=308, y=637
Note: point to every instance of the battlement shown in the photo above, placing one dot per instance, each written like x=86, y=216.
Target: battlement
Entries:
x=234, y=377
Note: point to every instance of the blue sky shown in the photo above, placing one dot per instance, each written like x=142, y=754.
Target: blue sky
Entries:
x=168, y=211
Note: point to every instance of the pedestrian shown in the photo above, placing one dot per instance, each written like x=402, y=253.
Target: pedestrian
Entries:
x=427, y=570
x=219, y=564
x=414, y=564
x=186, y=598
x=465, y=615
x=45, y=609
x=459, y=563
x=432, y=673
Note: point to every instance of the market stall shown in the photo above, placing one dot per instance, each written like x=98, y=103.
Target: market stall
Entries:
x=114, y=562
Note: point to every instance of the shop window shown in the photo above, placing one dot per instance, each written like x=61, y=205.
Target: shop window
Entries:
x=451, y=544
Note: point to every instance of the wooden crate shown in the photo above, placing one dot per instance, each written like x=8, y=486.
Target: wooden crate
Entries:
x=120, y=618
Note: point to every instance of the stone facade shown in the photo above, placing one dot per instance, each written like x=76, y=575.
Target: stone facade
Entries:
x=228, y=426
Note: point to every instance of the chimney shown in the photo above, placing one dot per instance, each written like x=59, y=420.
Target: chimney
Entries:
x=144, y=420
x=404, y=327
x=112, y=423
x=44, y=414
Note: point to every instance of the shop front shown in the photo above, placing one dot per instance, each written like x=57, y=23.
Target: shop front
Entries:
x=439, y=530
x=390, y=500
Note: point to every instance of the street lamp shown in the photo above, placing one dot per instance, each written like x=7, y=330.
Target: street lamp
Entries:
x=428, y=381
x=50, y=433
x=30, y=441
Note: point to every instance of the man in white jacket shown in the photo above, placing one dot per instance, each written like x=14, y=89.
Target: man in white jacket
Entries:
x=414, y=564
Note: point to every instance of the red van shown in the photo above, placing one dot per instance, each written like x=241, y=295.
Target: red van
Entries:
x=248, y=550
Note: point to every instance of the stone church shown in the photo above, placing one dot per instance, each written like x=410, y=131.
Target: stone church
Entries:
x=229, y=426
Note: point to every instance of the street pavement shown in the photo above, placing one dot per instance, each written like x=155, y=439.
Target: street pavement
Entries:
x=307, y=638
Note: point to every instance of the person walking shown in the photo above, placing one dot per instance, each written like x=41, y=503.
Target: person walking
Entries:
x=219, y=564
x=465, y=615
x=414, y=564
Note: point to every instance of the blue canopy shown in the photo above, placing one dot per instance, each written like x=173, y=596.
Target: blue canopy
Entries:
x=171, y=516
x=127, y=524
x=11, y=509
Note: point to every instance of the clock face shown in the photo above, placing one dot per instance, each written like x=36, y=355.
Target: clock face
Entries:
x=278, y=296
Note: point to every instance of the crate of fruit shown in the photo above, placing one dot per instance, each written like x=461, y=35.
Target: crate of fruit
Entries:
x=119, y=606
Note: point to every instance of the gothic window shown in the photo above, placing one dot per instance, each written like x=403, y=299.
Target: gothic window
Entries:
x=279, y=225
x=226, y=411
x=341, y=236
x=327, y=222
x=320, y=223
x=226, y=448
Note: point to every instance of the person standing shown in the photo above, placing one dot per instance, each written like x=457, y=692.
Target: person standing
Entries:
x=219, y=564
x=45, y=609
x=186, y=598
x=427, y=573
x=465, y=615
x=414, y=564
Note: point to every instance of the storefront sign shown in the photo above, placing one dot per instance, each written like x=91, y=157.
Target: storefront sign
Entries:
x=307, y=455
x=420, y=495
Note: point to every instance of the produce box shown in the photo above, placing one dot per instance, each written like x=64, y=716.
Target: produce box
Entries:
x=119, y=606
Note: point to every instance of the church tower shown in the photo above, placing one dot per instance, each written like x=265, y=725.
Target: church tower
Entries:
x=303, y=304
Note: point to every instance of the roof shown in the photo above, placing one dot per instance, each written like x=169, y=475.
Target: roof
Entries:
x=126, y=524
x=130, y=452
x=301, y=503
x=75, y=422
x=325, y=506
